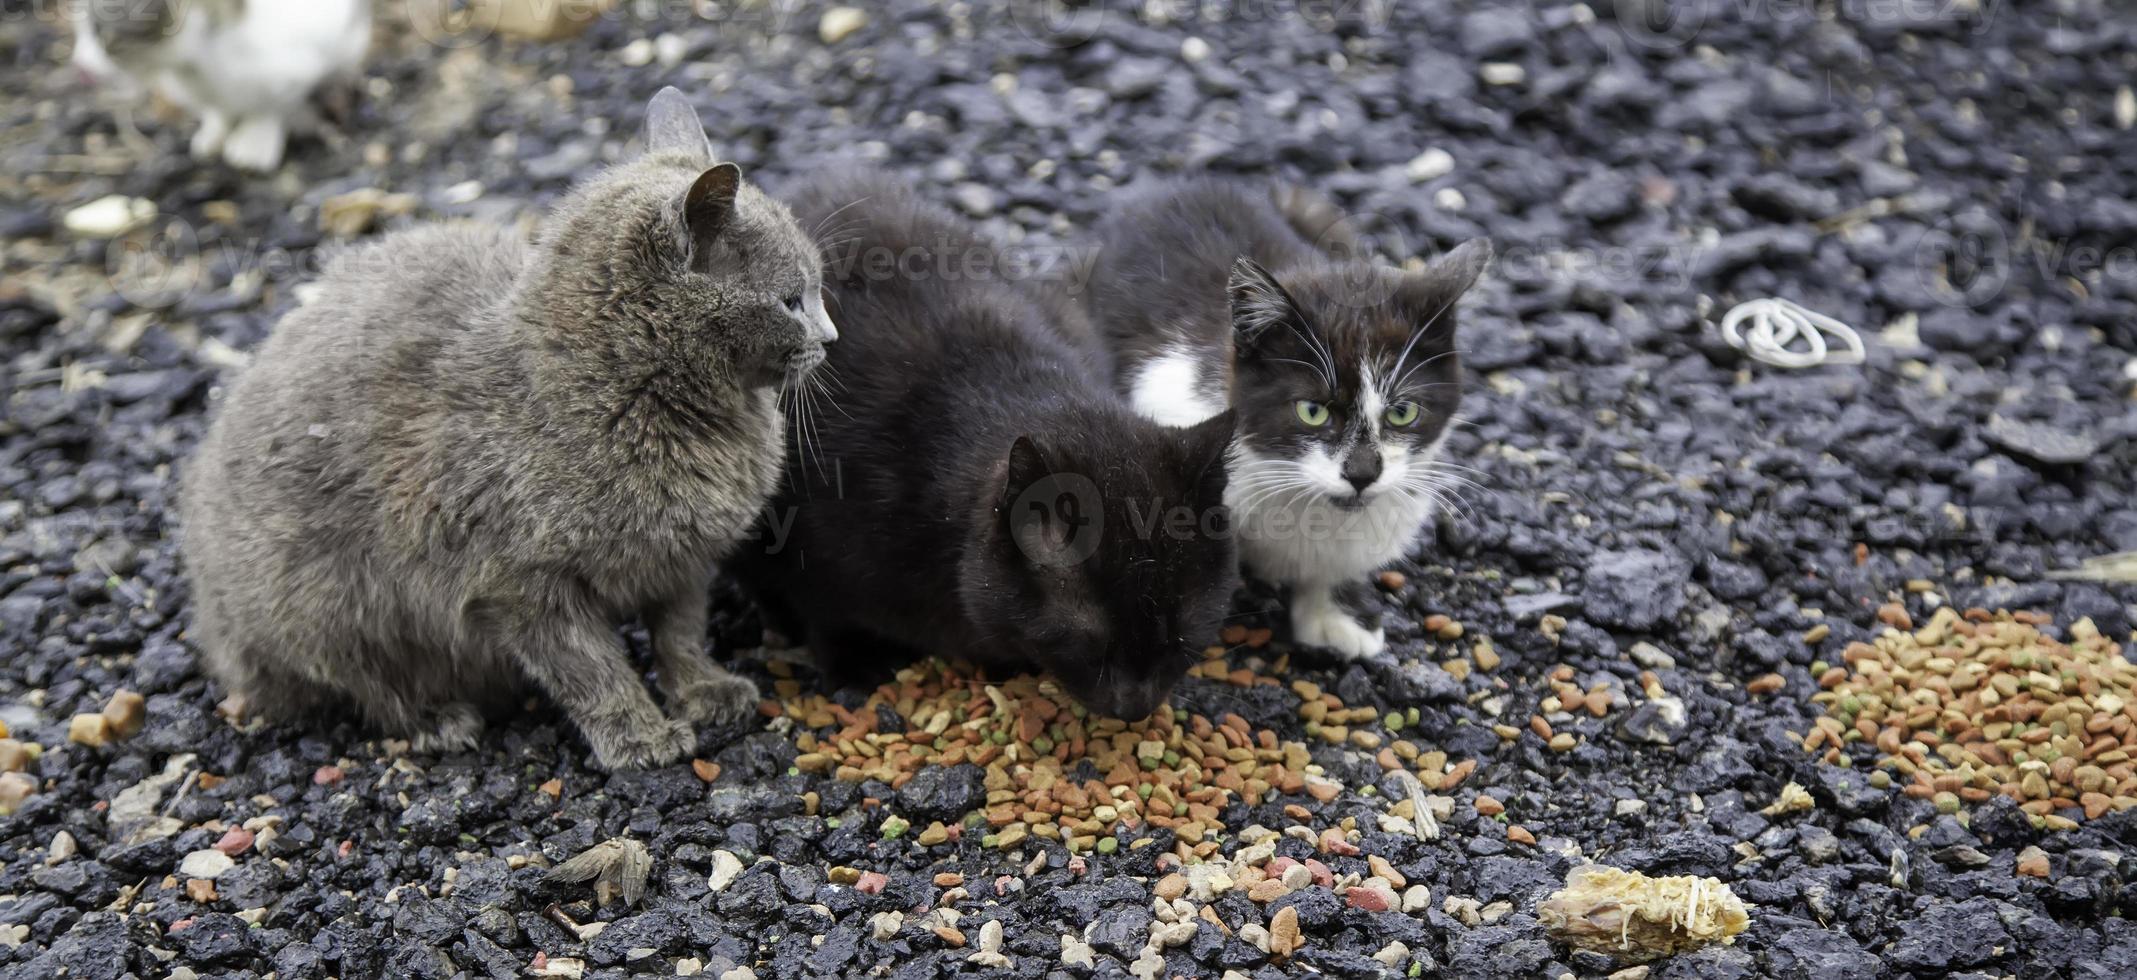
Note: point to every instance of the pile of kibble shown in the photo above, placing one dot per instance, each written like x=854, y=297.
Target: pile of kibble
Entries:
x=1975, y=704
x=1175, y=769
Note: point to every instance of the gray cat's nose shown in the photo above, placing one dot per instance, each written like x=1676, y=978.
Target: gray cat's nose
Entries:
x=827, y=331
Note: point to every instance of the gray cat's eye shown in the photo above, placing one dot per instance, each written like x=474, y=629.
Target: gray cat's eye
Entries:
x=793, y=304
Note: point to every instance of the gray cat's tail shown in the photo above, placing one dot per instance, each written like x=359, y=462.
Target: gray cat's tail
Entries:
x=1317, y=219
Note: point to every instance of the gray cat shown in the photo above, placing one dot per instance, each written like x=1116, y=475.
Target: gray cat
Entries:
x=468, y=458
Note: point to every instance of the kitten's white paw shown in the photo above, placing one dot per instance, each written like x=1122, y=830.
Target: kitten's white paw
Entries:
x=256, y=145
x=208, y=139
x=1327, y=626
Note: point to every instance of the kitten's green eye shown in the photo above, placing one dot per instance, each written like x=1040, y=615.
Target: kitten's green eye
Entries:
x=1402, y=413
x=1313, y=413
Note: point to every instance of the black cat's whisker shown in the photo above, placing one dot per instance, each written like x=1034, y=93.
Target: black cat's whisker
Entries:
x=1421, y=365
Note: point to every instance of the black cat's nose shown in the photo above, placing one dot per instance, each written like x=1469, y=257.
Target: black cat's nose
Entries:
x=1361, y=468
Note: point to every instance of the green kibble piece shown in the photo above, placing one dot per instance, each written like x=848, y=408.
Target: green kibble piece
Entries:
x=793, y=770
x=1392, y=720
x=990, y=840
x=1851, y=704
x=1172, y=759
x=1179, y=716
x=1042, y=745
x=1947, y=803
x=895, y=827
x=1107, y=845
x=1078, y=710
x=1000, y=737
x=1409, y=717
x=833, y=822
x=1416, y=968
x=1143, y=790
x=1818, y=667
x=1179, y=809
x=1313, y=729
x=1148, y=763
x=975, y=820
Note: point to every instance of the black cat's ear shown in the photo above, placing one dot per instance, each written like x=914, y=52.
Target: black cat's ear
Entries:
x=708, y=207
x=1258, y=303
x=1027, y=465
x=1042, y=524
x=1452, y=274
x=672, y=126
x=1210, y=447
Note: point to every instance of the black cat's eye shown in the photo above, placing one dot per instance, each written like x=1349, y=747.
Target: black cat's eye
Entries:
x=793, y=303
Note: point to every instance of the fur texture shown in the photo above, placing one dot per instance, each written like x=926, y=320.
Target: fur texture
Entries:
x=1343, y=373
x=245, y=67
x=469, y=458
x=976, y=491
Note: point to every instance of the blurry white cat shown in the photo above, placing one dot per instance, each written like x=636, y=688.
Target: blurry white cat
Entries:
x=247, y=68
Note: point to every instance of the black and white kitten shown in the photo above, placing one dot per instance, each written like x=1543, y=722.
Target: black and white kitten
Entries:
x=1343, y=373
x=977, y=491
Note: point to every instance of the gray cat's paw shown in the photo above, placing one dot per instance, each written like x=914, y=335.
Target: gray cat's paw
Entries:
x=641, y=745
x=451, y=728
x=721, y=699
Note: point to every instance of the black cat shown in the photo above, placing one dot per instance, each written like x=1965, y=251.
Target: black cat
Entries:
x=976, y=490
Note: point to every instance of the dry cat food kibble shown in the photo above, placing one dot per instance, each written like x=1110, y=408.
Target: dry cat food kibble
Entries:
x=1175, y=769
x=1974, y=705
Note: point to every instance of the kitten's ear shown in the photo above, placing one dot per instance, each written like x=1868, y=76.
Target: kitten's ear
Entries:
x=1453, y=273
x=672, y=126
x=1258, y=302
x=708, y=207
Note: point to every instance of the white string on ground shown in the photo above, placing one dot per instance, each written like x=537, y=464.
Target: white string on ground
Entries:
x=1775, y=324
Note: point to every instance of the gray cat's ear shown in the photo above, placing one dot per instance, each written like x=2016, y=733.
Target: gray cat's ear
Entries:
x=672, y=126
x=709, y=206
x=1258, y=302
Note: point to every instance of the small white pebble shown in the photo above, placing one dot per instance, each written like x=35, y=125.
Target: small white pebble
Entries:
x=725, y=866
x=1416, y=898
x=637, y=54
x=1449, y=199
x=1392, y=954
x=990, y=936
x=1194, y=50
x=1431, y=164
x=205, y=863
x=839, y=23
x=1502, y=73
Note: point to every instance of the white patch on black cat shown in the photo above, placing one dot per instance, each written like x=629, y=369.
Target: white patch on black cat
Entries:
x=1168, y=391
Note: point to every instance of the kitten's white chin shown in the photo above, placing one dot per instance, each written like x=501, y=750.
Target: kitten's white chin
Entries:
x=1294, y=537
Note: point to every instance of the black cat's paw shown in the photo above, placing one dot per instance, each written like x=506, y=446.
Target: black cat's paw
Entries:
x=718, y=699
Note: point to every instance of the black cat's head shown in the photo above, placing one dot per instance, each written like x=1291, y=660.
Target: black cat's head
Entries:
x=1107, y=557
x=1345, y=375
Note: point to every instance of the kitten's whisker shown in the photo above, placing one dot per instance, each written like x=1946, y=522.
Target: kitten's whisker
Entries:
x=1427, y=362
